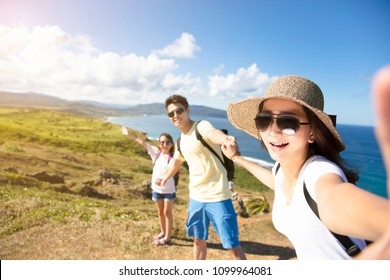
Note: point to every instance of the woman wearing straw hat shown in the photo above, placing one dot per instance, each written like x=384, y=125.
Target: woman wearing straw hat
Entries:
x=316, y=205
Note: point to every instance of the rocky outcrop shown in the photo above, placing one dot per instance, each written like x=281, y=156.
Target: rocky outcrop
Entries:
x=44, y=177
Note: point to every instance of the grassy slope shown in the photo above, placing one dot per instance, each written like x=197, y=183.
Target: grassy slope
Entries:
x=73, y=220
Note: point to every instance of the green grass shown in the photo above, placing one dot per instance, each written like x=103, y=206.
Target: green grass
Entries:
x=26, y=203
x=81, y=134
x=64, y=130
x=23, y=208
x=246, y=181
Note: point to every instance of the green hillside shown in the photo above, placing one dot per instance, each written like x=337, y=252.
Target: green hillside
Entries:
x=61, y=170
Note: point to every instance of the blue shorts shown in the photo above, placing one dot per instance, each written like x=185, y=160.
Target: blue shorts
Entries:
x=222, y=216
x=166, y=196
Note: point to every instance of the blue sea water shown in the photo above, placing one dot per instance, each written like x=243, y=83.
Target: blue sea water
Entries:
x=361, y=153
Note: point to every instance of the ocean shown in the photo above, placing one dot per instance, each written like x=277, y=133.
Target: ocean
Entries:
x=361, y=153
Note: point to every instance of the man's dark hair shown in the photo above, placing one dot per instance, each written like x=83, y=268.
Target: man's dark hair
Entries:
x=176, y=99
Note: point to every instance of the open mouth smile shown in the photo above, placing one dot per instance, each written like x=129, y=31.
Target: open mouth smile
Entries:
x=278, y=145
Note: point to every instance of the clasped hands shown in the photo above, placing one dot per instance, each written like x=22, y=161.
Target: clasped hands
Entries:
x=229, y=147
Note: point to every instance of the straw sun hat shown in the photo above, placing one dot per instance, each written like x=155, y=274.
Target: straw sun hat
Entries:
x=298, y=89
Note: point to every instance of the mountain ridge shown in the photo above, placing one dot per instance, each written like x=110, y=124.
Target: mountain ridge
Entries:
x=96, y=109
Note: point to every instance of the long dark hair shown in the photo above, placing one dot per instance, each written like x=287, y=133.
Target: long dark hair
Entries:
x=172, y=149
x=326, y=145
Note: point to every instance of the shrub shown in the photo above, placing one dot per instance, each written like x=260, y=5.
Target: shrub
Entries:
x=258, y=205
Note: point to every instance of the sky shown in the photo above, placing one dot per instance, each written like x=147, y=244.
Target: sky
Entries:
x=213, y=52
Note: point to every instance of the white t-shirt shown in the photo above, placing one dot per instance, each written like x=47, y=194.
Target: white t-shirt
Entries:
x=310, y=237
x=161, y=162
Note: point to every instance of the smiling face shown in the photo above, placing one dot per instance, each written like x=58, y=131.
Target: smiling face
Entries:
x=165, y=143
x=282, y=147
x=178, y=115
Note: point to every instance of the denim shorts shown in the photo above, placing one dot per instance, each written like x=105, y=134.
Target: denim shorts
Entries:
x=220, y=214
x=166, y=196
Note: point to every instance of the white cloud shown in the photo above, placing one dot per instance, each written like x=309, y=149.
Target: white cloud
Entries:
x=46, y=59
x=184, y=47
x=182, y=84
x=244, y=83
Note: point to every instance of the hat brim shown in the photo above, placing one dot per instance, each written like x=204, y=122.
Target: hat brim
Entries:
x=242, y=113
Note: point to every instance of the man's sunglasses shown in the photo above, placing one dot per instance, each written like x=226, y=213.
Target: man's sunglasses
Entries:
x=288, y=124
x=179, y=111
x=165, y=142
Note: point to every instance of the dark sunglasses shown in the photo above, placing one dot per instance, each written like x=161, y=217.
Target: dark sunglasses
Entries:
x=165, y=142
x=288, y=124
x=179, y=111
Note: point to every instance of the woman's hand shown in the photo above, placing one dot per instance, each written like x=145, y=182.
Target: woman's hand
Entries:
x=159, y=182
x=380, y=249
x=230, y=148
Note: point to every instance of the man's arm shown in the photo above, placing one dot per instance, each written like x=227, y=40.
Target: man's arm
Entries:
x=218, y=137
x=173, y=168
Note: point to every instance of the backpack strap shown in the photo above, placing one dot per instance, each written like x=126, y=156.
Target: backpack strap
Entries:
x=178, y=145
x=351, y=248
x=277, y=169
x=170, y=156
x=200, y=138
x=185, y=164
